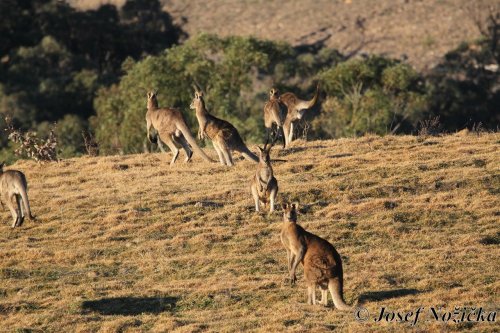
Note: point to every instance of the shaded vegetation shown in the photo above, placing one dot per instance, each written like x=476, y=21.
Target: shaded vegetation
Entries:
x=53, y=58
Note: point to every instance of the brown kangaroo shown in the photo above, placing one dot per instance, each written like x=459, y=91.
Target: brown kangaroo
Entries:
x=264, y=185
x=273, y=116
x=224, y=136
x=13, y=190
x=322, y=263
x=295, y=111
x=172, y=129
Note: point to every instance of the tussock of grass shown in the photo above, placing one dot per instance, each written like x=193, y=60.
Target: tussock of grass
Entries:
x=126, y=243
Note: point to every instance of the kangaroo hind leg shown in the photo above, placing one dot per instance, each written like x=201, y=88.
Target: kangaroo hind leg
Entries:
x=21, y=214
x=185, y=145
x=227, y=156
x=10, y=204
x=255, y=195
x=175, y=152
x=219, y=153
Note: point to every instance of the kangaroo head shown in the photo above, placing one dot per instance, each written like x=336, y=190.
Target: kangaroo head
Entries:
x=274, y=93
x=264, y=155
x=152, y=98
x=290, y=212
x=197, y=100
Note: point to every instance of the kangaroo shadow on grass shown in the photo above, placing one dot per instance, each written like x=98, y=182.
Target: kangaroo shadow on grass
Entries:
x=291, y=150
x=198, y=204
x=340, y=155
x=130, y=306
x=374, y=296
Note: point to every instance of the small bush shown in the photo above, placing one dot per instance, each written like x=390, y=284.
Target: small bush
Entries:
x=30, y=145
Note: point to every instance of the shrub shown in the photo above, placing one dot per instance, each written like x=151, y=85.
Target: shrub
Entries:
x=30, y=145
x=373, y=95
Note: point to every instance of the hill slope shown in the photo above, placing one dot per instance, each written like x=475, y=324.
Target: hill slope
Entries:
x=422, y=30
x=127, y=244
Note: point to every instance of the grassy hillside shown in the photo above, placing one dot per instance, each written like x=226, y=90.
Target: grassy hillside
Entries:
x=127, y=244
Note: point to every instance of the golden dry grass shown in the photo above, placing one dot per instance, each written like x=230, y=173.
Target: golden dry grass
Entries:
x=127, y=244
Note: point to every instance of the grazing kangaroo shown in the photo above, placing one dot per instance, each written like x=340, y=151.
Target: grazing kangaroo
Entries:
x=322, y=263
x=264, y=185
x=172, y=129
x=13, y=190
x=225, y=137
x=273, y=116
x=295, y=111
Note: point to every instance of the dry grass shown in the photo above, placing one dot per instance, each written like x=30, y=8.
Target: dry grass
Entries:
x=127, y=244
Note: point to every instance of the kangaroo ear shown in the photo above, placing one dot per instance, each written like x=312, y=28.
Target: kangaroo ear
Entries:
x=284, y=206
x=295, y=205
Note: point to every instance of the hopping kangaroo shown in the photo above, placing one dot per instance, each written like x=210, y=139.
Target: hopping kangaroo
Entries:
x=322, y=263
x=273, y=116
x=295, y=111
x=172, y=129
x=13, y=191
x=264, y=185
x=225, y=137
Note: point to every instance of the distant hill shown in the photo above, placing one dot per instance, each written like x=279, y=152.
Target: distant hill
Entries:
x=420, y=30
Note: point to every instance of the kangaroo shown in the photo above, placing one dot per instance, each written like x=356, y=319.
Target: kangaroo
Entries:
x=264, y=185
x=13, y=191
x=171, y=128
x=273, y=115
x=295, y=111
x=322, y=263
x=225, y=137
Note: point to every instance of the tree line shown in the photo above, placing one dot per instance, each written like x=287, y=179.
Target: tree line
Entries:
x=89, y=71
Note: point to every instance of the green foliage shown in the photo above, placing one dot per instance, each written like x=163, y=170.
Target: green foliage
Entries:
x=224, y=67
x=54, y=58
x=375, y=95
x=109, y=116
x=92, y=69
x=69, y=134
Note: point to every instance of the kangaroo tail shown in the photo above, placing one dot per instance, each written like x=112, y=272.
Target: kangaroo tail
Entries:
x=247, y=154
x=309, y=104
x=26, y=203
x=190, y=139
x=335, y=287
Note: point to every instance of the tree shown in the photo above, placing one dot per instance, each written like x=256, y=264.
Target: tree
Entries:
x=375, y=95
x=224, y=67
x=464, y=87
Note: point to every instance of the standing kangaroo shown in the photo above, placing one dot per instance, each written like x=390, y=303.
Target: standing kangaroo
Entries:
x=264, y=185
x=225, y=137
x=322, y=263
x=273, y=116
x=13, y=190
x=295, y=111
x=172, y=129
